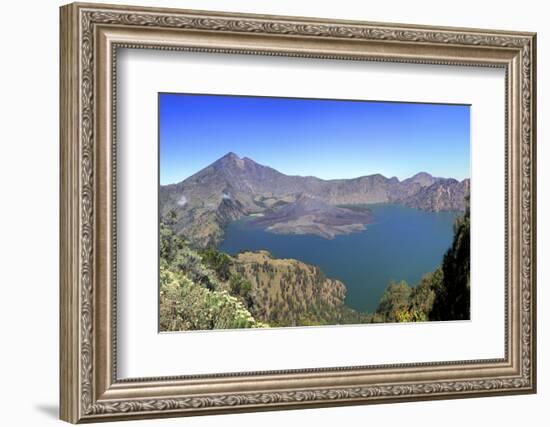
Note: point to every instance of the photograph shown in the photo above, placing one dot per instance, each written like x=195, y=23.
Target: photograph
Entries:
x=295, y=212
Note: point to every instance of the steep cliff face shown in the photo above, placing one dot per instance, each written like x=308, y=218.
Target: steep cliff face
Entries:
x=442, y=195
x=233, y=187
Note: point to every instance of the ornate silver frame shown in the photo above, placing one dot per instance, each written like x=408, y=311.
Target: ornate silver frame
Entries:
x=90, y=36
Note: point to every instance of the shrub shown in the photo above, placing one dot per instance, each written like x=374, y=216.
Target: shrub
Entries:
x=185, y=306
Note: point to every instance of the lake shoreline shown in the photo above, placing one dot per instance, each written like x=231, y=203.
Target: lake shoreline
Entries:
x=402, y=243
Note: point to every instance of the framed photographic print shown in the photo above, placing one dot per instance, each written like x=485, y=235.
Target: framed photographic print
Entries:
x=324, y=243
x=263, y=212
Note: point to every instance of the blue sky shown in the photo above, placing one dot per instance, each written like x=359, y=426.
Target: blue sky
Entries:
x=324, y=138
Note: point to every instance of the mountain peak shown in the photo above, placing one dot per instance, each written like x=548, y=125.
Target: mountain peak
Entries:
x=422, y=178
x=422, y=175
x=231, y=155
x=229, y=160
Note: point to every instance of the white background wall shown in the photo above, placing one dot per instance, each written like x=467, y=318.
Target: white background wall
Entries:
x=29, y=170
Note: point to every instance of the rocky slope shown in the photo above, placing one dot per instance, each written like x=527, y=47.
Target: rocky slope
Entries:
x=233, y=187
x=441, y=195
x=287, y=292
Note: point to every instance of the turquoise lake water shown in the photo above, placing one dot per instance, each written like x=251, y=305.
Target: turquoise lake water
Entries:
x=401, y=244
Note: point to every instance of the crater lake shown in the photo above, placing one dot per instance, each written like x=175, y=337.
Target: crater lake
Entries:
x=401, y=243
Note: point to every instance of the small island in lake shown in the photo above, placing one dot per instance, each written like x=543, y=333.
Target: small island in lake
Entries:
x=311, y=215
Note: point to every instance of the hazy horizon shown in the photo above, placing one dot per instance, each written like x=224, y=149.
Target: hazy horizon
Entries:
x=328, y=139
x=301, y=175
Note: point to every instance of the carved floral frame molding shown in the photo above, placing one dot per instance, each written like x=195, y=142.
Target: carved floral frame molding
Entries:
x=90, y=36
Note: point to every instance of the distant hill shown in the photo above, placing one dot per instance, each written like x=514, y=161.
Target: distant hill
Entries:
x=233, y=187
x=287, y=292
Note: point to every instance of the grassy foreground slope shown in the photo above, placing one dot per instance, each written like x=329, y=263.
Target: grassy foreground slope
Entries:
x=207, y=289
x=186, y=306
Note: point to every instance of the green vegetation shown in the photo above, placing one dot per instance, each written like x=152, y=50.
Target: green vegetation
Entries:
x=186, y=306
x=198, y=291
x=452, y=301
x=217, y=261
x=394, y=302
x=207, y=289
x=401, y=303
